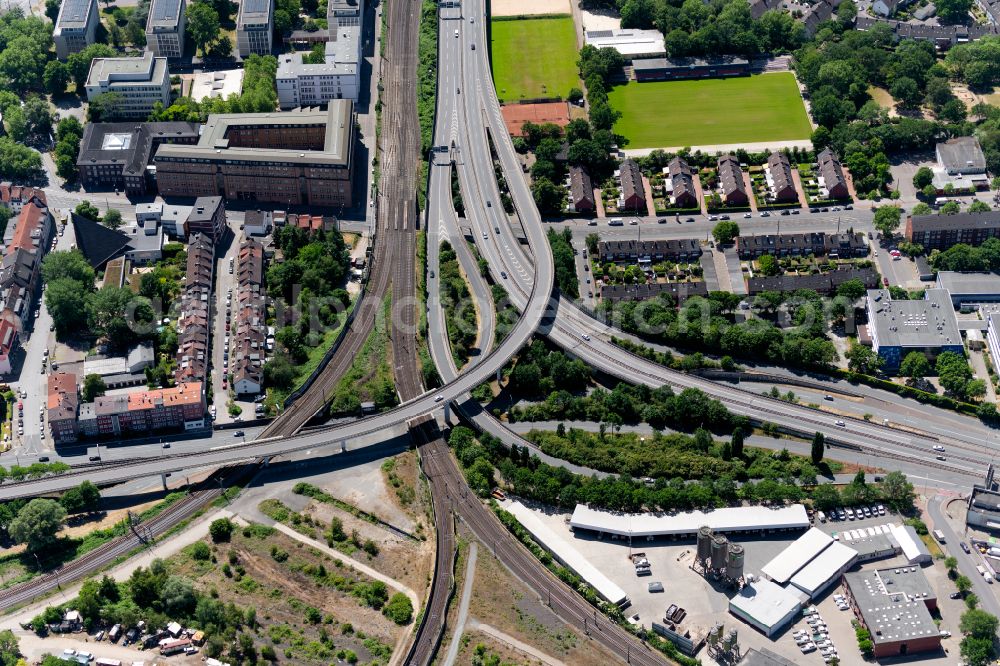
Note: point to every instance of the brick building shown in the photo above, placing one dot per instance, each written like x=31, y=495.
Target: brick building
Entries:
x=62, y=405
x=179, y=407
x=293, y=158
x=939, y=232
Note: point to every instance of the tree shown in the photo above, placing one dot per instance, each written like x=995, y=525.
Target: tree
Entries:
x=915, y=366
x=887, y=219
x=862, y=359
x=66, y=301
x=922, y=208
x=104, y=107
x=736, y=443
x=951, y=564
x=93, y=386
x=953, y=11
x=978, y=206
x=818, y=448
x=17, y=123
x=768, y=265
x=112, y=219
x=52, y=9
x=905, y=91
x=826, y=496
x=71, y=265
x=976, y=651
x=221, y=529
x=548, y=196
x=202, y=24
x=963, y=584
x=83, y=498
x=178, y=596
x=950, y=208
x=725, y=232
x=923, y=177
x=37, y=523
x=399, y=609
x=56, y=77
x=117, y=313
x=897, y=491
x=978, y=624
x=87, y=210
x=852, y=289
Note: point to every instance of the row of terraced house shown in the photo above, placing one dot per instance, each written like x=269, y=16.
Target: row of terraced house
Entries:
x=251, y=314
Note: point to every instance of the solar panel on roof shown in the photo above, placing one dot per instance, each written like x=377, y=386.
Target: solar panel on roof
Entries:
x=75, y=10
x=255, y=6
x=165, y=9
x=599, y=34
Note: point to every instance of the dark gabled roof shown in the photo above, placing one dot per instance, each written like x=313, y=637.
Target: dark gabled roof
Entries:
x=731, y=175
x=98, y=243
x=987, y=220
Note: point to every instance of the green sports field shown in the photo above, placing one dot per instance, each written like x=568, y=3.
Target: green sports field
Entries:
x=534, y=57
x=663, y=114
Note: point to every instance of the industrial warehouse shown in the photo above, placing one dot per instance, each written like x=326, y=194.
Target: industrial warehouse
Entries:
x=738, y=578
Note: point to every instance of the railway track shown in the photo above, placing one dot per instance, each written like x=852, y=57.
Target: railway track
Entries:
x=204, y=493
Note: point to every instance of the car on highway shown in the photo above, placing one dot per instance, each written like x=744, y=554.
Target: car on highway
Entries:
x=939, y=448
x=484, y=235
x=585, y=337
x=95, y=458
x=166, y=445
x=941, y=458
x=747, y=216
x=238, y=433
x=43, y=459
x=814, y=210
x=965, y=547
x=841, y=424
x=439, y=398
x=796, y=211
x=786, y=212
x=473, y=47
x=723, y=217
x=496, y=229
x=690, y=219
x=503, y=274
x=828, y=397
x=661, y=220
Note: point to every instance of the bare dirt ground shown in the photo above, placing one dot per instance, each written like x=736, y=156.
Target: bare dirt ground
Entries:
x=529, y=7
x=599, y=18
x=401, y=559
x=884, y=99
x=501, y=600
x=477, y=643
x=281, y=578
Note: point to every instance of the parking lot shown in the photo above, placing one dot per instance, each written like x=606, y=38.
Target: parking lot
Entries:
x=706, y=601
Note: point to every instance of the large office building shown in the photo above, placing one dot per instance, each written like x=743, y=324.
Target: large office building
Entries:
x=970, y=288
x=254, y=27
x=298, y=157
x=339, y=75
x=76, y=27
x=898, y=327
x=165, y=28
x=939, y=232
x=141, y=82
x=118, y=155
x=895, y=606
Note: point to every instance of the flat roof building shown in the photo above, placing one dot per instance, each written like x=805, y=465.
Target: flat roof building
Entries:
x=165, y=28
x=664, y=69
x=740, y=519
x=75, y=27
x=895, y=606
x=220, y=84
x=141, y=82
x=339, y=75
x=254, y=27
x=631, y=43
x=565, y=552
x=970, y=288
x=939, y=232
x=766, y=606
x=898, y=327
x=291, y=158
x=961, y=155
x=118, y=155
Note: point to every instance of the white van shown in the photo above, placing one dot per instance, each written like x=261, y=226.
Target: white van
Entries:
x=821, y=516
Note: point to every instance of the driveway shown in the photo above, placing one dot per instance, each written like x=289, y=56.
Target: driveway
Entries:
x=966, y=563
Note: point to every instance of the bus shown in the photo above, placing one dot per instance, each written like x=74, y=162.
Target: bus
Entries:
x=938, y=536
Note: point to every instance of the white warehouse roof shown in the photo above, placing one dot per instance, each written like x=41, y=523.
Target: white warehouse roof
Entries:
x=833, y=561
x=797, y=555
x=913, y=548
x=765, y=604
x=733, y=519
x=566, y=553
